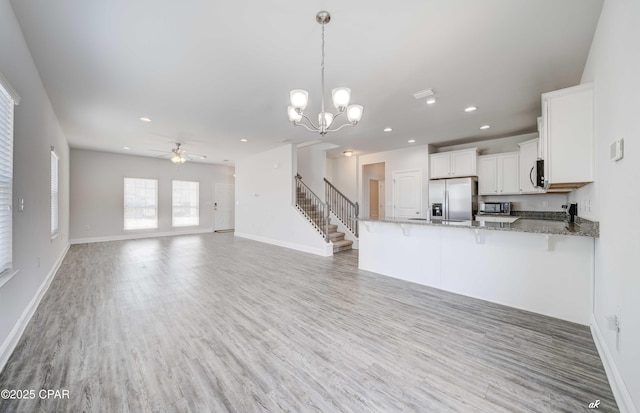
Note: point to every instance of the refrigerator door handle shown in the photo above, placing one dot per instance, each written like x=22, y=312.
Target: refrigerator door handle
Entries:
x=446, y=204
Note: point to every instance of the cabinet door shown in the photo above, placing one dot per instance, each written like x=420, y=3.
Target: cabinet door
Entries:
x=439, y=165
x=463, y=163
x=508, y=174
x=487, y=175
x=567, y=141
x=528, y=157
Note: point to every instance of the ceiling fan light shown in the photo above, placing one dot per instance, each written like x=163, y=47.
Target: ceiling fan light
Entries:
x=341, y=97
x=354, y=113
x=299, y=99
x=294, y=116
x=175, y=159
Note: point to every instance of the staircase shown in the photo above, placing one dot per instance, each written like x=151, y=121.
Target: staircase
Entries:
x=317, y=213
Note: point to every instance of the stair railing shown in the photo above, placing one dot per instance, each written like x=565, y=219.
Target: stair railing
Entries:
x=312, y=207
x=342, y=207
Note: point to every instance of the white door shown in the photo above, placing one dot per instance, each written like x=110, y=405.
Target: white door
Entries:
x=223, y=206
x=407, y=194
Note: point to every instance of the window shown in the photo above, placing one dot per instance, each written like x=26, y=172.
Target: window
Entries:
x=140, y=203
x=54, y=193
x=186, y=205
x=8, y=99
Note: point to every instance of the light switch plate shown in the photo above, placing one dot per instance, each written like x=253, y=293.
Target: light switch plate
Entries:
x=616, y=150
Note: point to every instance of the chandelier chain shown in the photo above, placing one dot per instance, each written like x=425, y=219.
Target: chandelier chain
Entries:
x=322, y=70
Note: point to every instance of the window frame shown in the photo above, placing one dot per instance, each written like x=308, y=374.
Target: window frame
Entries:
x=143, y=208
x=9, y=100
x=196, y=218
x=55, y=194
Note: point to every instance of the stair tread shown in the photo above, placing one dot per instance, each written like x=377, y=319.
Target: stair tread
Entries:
x=342, y=243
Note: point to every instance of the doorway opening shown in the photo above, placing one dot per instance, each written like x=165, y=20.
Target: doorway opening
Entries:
x=374, y=190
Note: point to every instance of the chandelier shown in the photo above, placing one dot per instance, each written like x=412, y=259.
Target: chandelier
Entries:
x=341, y=97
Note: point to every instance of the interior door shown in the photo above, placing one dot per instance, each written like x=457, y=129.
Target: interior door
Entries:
x=374, y=198
x=223, y=206
x=407, y=194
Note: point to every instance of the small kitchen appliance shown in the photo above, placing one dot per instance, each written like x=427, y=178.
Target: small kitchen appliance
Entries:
x=494, y=208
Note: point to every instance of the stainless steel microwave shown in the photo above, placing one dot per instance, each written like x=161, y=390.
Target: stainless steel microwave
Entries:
x=495, y=208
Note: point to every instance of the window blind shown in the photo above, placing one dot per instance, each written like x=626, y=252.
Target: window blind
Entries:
x=185, y=203
x=140, y=203
x=6, y=177
x=54, y=193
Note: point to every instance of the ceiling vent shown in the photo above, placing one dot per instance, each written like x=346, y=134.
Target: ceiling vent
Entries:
x=424, y=93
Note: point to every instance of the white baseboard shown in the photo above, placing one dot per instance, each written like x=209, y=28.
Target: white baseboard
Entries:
x=13, y=338
x=324, y=252
x=139, y=235
x=620, y=392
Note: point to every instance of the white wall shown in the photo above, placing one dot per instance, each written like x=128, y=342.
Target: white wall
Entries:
x=533, y=202
x=97, y=196
x=406, y=159
x=614, y=67
x=36, y=129
x=343, y=174
x=264, y=203
x=312, y=165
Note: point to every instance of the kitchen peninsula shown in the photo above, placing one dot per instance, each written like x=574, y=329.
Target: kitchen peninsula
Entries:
x=539, y=265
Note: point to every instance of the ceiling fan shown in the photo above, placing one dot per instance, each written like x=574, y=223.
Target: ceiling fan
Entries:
x=178, y=155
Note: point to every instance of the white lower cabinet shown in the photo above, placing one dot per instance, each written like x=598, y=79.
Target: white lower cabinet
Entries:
x=499, y=174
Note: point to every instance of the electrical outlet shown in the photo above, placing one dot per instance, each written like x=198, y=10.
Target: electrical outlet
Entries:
x=87, y=227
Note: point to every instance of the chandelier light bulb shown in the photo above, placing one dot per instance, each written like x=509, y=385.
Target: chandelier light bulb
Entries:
x=326, y=122
x=341, y=97
x=299, y=99
x=354, y=113
x=294, y=116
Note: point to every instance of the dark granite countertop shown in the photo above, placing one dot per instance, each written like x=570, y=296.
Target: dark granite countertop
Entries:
x=538, y=225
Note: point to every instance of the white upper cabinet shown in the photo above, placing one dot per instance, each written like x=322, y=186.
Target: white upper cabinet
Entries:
x=567, y=138
x=453, y=164
x=528, y=158
x=498, y=174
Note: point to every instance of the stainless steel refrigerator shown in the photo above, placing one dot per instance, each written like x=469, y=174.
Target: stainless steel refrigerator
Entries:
x=453, y=199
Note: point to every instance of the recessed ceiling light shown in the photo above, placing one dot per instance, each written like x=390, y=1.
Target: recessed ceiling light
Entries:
x=471, y=109
x=226, y=160
x=431, y=101
x=347, y=153
x=203, y=157
x=243, y=140
x=411, y=140
x=483, y=127
x=387, y=129
x=145, y=119
x=126, y=148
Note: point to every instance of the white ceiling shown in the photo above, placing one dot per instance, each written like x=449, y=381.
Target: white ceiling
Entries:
x=209, y=73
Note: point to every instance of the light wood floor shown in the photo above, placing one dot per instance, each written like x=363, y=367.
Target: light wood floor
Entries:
x=213, y=323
